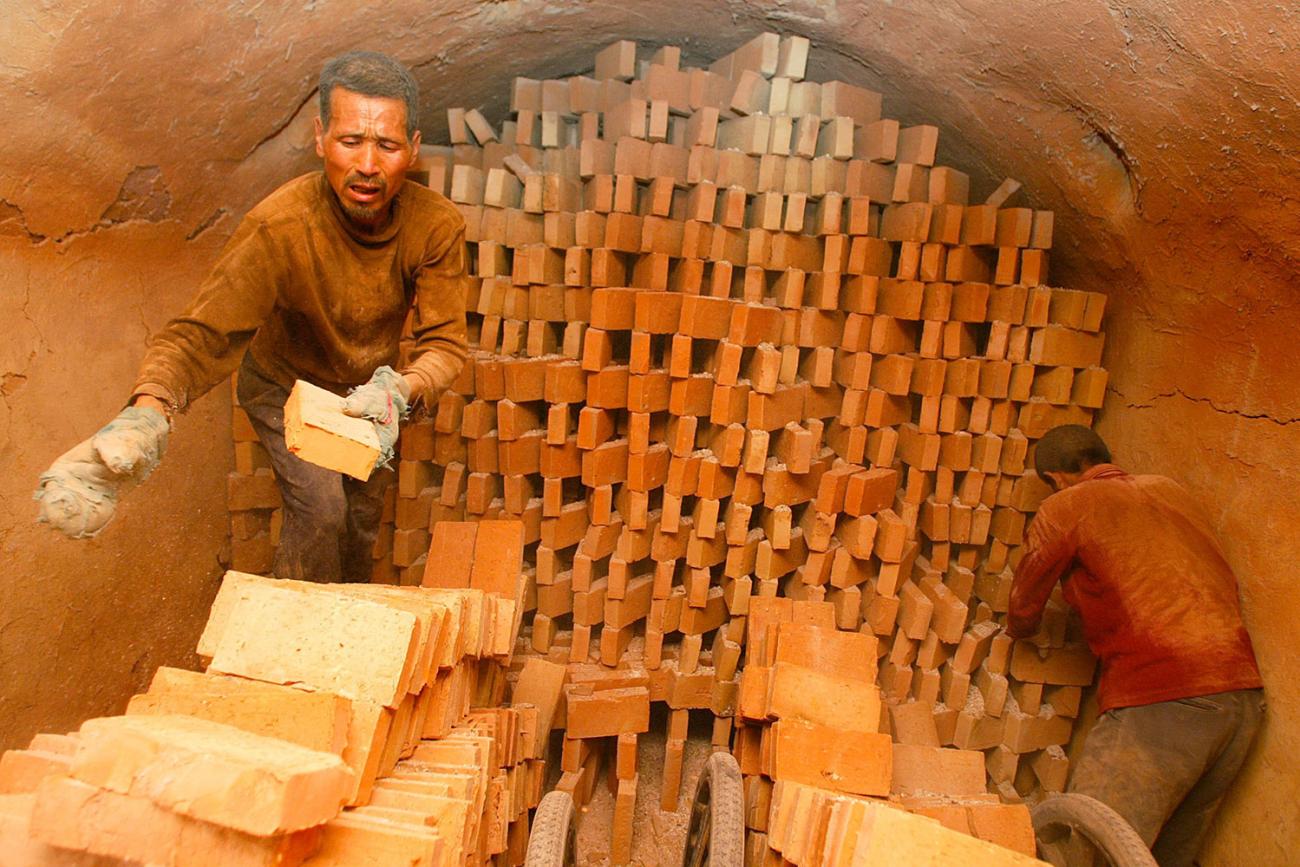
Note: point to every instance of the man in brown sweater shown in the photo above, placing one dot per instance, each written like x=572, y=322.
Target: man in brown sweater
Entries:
x=316, y=284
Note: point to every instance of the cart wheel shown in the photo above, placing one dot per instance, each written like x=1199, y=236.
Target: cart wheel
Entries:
x=716, y=834
x=1074, y=830
x=551, y=840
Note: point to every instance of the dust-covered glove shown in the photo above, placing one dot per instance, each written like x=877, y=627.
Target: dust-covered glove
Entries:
x=78, y=493
x=383, y=400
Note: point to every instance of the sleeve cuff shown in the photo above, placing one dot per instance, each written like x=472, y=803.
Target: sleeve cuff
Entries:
x=435, y=376
x=159, y=392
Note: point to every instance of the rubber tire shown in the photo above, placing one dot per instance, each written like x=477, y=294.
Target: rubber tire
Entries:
x=551, y=840
x=1099, y=824
x=720, y=801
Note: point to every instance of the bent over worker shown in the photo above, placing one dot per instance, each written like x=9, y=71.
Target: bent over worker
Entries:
x=315, y=284
x=1180, y=694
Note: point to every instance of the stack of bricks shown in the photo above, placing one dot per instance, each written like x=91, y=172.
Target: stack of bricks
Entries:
x=467, y=793
x=735, y=335
x=836, y=408
x=810, y=720
x=252, y=497
x=168, y=789
x=316, y=698
x=813, y=827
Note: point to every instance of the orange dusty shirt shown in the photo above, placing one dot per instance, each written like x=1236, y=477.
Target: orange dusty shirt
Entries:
x=1146, y=572
x=312, y=298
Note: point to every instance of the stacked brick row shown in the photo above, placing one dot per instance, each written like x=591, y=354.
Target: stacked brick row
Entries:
x=811, y=729
x=333, y=726
x=812, y=826
x=252, y=497
x=736, y=336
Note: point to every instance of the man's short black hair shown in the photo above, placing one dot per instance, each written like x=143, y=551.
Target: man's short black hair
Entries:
x=1069, y=448
x=370, y=73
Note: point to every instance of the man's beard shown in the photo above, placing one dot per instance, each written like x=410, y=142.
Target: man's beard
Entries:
x=366, y=215
x=369, y=216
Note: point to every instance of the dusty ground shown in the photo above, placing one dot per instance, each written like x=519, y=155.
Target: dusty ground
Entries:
x=658, y=837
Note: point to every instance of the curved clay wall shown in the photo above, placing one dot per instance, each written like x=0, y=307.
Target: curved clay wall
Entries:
x=1163, y=134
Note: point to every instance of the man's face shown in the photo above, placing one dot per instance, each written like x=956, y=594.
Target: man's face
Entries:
x=366, y=153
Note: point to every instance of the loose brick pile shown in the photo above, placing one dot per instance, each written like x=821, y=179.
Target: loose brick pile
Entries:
x=333, y=726
x=812, y=747
x=811, y=826
x=738, y=338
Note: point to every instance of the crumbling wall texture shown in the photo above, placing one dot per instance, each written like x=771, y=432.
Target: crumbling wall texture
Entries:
x=1163, y=134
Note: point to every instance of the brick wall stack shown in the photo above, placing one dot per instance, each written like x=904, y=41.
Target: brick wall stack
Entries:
x=738, y=337
x=335, y=724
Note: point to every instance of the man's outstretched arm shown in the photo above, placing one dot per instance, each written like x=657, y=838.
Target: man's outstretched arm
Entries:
x=1049, y=550
x=78, y=494
x=203, y=346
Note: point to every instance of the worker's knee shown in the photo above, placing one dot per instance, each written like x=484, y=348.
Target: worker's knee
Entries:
x=317, y=502
x=310, y=540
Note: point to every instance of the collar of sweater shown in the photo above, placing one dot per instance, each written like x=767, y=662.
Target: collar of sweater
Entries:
x=1101, y=471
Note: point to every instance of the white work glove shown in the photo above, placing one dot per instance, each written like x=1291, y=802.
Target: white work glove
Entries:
x=78, y=493
x=383, y=400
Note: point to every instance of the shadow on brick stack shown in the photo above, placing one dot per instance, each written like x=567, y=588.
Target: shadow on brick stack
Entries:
x=334, y=725
x=737, y=336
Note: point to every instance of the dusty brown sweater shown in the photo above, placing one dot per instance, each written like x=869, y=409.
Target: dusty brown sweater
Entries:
x=312, y=298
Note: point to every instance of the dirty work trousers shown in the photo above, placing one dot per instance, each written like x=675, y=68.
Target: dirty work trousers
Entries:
x=330, y=520
x=1165, y=767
